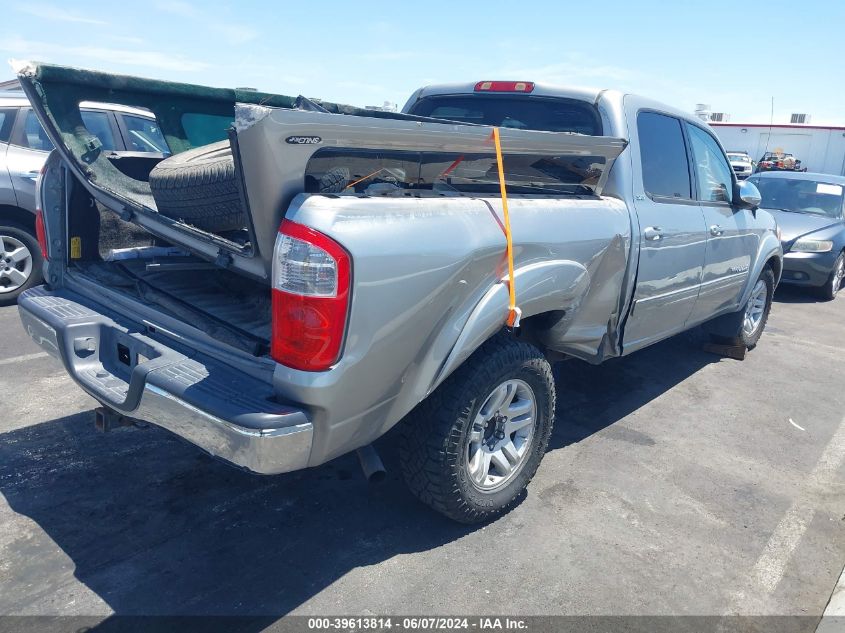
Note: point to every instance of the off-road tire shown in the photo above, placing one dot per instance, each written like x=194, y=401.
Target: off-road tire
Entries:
x=199, y=187
x=434, y=436
x=35, y=276
x=334, y=180
x=832, y=287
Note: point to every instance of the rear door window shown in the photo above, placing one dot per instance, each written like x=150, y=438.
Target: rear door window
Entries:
x=664, y=156
x=143, y=135
x=96, y=122
x=34, y=136
x=99, y=123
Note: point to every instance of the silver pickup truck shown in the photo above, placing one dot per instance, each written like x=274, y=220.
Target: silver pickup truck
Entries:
x=292, y=288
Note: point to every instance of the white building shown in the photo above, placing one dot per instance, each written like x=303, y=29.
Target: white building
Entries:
x=820, y=148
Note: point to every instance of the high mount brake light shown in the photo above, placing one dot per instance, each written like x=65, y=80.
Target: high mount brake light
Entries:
x=504, y=86
x=311, y=275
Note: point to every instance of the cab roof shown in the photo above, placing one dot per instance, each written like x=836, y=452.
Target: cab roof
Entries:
x=540, y=89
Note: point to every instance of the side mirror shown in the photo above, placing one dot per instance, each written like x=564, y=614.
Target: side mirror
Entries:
x=748, y=195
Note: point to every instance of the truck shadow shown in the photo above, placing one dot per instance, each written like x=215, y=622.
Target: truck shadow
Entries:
x=593, y=397
x=154, y=527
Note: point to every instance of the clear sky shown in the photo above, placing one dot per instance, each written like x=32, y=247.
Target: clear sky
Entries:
x=734, y=56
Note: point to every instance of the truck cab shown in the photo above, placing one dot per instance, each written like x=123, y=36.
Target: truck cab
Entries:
x=698, y=241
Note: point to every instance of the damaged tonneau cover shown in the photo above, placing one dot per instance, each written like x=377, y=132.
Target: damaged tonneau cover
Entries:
x=266, y=132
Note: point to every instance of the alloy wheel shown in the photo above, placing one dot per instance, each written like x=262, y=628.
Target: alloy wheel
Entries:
x=15, y=264
x=501, y=435
x=838, y=275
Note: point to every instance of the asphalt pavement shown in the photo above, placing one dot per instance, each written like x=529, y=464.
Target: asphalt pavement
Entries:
x=676, y=483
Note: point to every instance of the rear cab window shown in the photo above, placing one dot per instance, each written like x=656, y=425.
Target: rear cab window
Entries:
x=663, y=154
x=549, y=114
x=524, y=174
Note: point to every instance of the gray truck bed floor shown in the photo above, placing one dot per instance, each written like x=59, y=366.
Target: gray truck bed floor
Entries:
x=222, y=304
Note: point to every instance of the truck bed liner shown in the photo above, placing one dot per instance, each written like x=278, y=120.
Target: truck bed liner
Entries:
x=220, y=303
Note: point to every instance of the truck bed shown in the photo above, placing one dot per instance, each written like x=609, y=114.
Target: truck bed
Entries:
x=220, y=303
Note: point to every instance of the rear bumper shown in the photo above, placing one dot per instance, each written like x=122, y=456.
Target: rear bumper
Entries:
x=219, y=409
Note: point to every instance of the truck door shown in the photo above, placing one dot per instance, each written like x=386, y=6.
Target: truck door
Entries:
x=672, y=230
x=731, y=242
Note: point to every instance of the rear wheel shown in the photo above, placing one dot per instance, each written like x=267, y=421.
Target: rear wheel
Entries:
x=20, y=262
x=472, y=447
x=834, y=283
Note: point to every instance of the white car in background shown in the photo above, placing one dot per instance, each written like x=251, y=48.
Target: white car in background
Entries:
x=741, y=164
x=131, y=137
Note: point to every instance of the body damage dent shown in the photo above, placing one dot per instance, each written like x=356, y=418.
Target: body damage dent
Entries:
x=557, y=285
x=248, y=114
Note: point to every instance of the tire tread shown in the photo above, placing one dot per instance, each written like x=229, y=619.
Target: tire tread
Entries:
x=200, y=187
x=430, y=438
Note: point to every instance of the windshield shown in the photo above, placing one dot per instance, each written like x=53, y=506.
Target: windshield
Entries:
x=800, y=196
x=520, y=112
x=739, y=157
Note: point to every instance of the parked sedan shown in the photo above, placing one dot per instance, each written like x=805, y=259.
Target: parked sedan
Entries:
x=809, y=210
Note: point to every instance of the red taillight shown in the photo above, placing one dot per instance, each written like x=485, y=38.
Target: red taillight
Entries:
x=40, y=233
x=311, y=274
x=504, y=86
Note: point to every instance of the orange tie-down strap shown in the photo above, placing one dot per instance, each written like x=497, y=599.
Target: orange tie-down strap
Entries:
x=514, y=313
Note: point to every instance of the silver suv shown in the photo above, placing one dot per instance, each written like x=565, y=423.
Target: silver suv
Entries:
x=24, y=146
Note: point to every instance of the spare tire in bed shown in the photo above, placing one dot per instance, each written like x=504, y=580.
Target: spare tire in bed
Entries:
x=199, y=187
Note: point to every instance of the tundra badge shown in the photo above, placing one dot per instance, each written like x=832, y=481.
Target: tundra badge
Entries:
x=303, y=140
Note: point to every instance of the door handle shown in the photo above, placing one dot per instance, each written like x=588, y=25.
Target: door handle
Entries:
x=653, y=233
x=716, y=230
